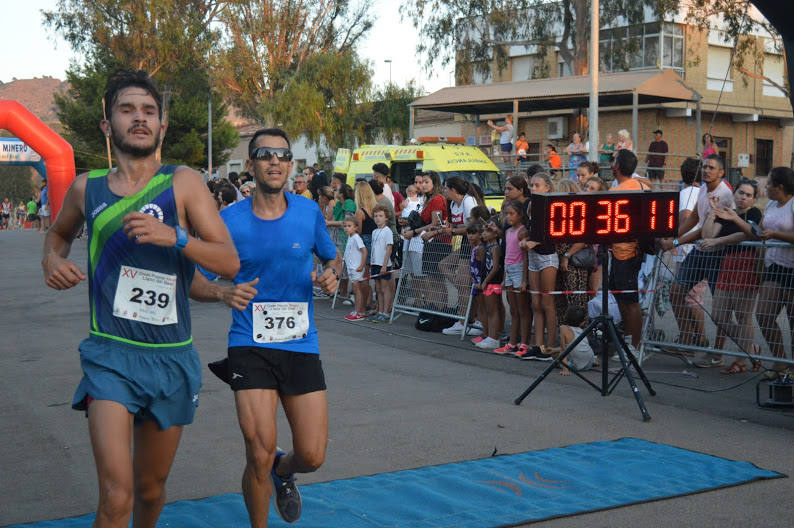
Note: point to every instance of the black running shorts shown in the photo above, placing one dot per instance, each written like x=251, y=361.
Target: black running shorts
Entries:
x=288, y=373
x=623, y=275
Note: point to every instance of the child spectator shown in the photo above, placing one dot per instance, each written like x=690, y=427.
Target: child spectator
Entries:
x=474, y=232
x=543, y=263
x=480, y=214
x=595, y=184
x=413, y=247
x=491, y=286
x=380, y=263
x=585, y=171
x=581, y=357
x=355, y=261
x=515, y=280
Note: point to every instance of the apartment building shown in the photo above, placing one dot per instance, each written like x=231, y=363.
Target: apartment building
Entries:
x=750, y=118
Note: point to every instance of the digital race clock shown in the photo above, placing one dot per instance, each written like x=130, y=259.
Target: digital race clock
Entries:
x=603, y=217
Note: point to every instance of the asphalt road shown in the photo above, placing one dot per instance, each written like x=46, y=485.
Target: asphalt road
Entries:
x=398, y=399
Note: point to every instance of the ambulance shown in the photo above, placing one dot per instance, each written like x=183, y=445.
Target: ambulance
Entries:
x=445, y=155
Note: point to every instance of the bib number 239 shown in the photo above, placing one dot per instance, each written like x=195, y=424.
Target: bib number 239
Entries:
x=145, y=296
x=280, y=321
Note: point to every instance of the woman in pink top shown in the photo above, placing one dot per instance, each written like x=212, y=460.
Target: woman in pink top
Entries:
x=709, y=147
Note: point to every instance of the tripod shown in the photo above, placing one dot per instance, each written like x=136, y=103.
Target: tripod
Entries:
x=605, y=323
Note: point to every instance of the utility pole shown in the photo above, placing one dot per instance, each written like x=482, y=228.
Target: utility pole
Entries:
x=209, y=136
x=389, y=61
x=592, y=114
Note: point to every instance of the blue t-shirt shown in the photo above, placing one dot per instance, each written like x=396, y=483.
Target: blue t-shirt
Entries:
x=44, y=196
x=279, y=252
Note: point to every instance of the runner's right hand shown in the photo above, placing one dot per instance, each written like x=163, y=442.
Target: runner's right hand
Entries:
x=60, y=273
x=239, y=295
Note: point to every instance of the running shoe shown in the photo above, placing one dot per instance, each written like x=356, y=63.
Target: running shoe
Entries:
x=318, y=293
x=537, y=354
x=286, y=497
x=489, y=343
x=355, y=316
x=521, y=351
x=455, y=329
x=476, y=340
x=379, y=318
x=509, y=348
x=474, y=331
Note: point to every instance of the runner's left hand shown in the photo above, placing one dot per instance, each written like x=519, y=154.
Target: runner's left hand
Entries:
x=239, y=295
x=146, y=229
x=328, y=281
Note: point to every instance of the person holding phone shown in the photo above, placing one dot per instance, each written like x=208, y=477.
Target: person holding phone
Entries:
x=738, y=281
x=437, y=245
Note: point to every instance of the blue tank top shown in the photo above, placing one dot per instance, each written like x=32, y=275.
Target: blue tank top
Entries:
x=138, y=294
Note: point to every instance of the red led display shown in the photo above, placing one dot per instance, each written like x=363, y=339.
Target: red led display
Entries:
x=603, y=217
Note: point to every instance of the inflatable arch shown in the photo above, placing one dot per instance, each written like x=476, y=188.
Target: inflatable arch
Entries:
x=57, y=154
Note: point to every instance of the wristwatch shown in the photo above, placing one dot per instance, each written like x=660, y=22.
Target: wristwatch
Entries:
x=675, y=242
x=181, y=238
x=566, y=255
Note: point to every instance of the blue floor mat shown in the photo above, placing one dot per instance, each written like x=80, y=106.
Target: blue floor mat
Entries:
x=492, y=492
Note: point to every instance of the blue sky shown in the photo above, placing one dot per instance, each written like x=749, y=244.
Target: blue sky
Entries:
x=31, y=50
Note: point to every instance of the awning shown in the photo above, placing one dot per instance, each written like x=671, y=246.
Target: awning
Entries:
x=614, y=89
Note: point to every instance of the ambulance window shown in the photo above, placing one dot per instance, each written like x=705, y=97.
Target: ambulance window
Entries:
x=403, y=174
x=490, y=182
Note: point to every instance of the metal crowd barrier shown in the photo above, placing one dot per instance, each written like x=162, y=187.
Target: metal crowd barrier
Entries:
x=724, y=303
x=435, y=280
x=339, y=237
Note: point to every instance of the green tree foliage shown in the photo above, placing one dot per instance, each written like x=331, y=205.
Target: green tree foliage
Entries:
x=327, y=97
x=172, y=40
x=80, y=111
x=16, y=183
x=153, y=35
x=270, y=44
x=736, y=20
x=291, y=62
x=390, y=117
x=477, y=34
x=185, y=142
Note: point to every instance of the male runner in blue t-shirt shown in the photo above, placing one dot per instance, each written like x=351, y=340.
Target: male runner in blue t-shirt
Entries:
x=273, y=348
x=141, y=374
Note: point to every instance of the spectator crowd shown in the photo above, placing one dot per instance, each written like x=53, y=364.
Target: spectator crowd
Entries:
x=441, y=232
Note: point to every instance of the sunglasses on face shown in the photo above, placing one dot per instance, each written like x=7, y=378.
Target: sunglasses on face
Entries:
x=267, y=153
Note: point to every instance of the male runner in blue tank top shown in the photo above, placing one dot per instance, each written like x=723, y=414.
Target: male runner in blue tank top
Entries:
x=141, y=374
x=273, y=348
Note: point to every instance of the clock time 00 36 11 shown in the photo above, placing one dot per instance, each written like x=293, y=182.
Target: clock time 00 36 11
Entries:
x=604, y=217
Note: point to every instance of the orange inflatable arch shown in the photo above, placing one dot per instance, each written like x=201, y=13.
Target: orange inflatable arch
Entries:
x=57, y=154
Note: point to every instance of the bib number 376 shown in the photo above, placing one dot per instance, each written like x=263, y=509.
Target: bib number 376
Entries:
x=277, y=322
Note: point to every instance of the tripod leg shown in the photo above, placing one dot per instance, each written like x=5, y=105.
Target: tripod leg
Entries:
x=633, y=359
x=554, y=363
x=622, y=349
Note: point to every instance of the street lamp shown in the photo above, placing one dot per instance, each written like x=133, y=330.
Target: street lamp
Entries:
x=389, y=61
